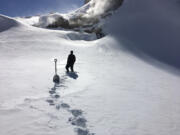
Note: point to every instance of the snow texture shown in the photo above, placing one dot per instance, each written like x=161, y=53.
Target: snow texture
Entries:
x=150, y=26
x=112, y=92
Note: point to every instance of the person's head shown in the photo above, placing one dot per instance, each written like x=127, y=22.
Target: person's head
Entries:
x=71, y=52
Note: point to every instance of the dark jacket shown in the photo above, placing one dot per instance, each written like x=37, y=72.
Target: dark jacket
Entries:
x=71, y=59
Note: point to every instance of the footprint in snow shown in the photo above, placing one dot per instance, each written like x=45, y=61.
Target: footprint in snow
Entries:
x=81, y=131
x=77, y=119
x=76, y=112
x=80, y=122
x=51, y=102
x=65, y=106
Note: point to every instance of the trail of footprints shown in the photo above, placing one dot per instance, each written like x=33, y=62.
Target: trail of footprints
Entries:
x=77, y=119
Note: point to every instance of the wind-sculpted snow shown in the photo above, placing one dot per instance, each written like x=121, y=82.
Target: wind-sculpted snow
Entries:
x=151, y=26
x=7, y=23
x=99, y=7
x=30, y=20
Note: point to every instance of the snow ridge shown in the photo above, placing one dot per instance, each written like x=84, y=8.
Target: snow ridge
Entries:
x=7, y=23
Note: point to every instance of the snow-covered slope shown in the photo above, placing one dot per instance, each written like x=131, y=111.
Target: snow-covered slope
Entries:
x=87, y=18
x=150, y=26
x=112, y=92
x=31, y=20
x=7, y=23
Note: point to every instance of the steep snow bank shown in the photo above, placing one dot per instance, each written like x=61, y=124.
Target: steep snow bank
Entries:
x=7, y=23
x=152, y=27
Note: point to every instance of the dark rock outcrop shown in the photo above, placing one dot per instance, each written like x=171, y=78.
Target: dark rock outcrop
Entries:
x=86, y=19
x=86, y=1
x=60, y=22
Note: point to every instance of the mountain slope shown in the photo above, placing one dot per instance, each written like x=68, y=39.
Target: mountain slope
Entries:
x=7, y=23
x=112, y=92
x=151, y=27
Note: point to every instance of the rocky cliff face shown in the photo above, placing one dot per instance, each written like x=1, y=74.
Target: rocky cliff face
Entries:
x=100, y=7
x=86, y=1
x=87, y=18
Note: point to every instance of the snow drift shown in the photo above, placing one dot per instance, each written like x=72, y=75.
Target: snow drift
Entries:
x=30, y=20
x=7, y=23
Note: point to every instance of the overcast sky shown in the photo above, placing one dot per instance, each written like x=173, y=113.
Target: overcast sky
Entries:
x=33, y=7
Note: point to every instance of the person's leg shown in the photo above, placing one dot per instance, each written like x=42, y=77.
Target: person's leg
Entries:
x=67, y=68
x=72, y=68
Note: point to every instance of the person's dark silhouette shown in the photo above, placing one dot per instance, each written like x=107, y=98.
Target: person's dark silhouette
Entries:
x=70, y=62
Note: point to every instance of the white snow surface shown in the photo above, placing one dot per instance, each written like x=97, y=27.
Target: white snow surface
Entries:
x=113, y=92
x=31, y=20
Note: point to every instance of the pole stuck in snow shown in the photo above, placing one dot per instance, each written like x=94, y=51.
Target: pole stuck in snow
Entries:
x=55, y=60
x=56, y=78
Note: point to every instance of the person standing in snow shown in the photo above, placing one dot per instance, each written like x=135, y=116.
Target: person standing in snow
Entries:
x=70, y=62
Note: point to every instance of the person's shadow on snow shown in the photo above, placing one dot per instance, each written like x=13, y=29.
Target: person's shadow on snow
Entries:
x=73, y=75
